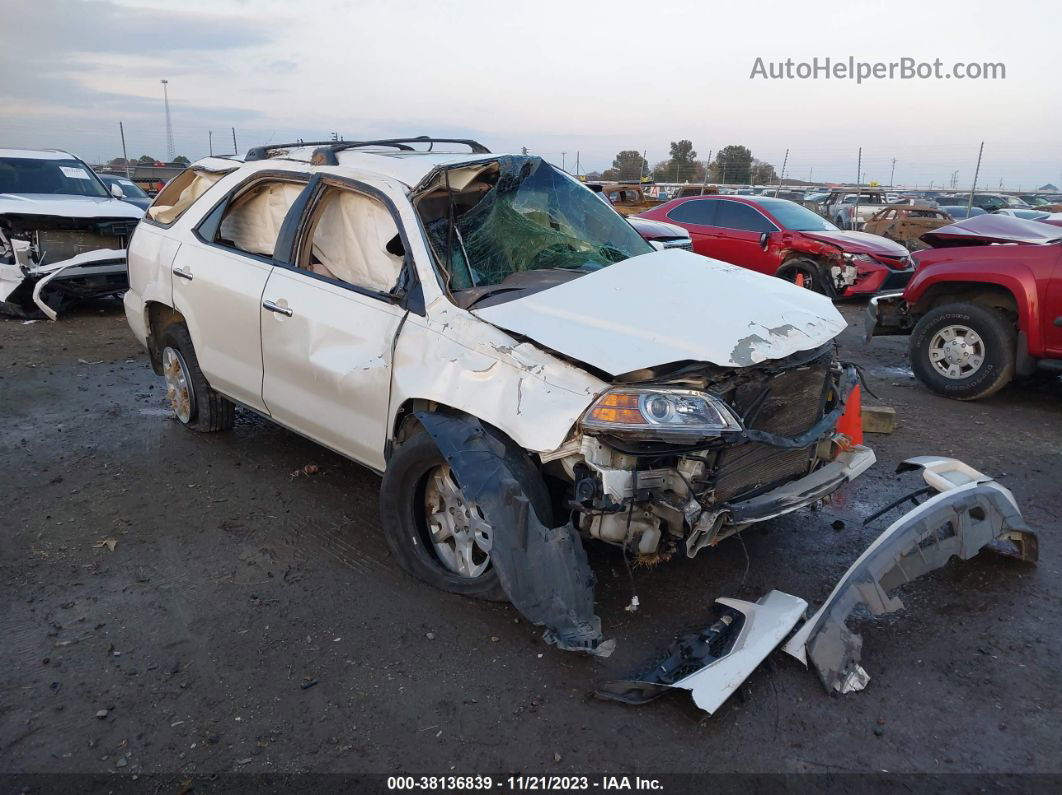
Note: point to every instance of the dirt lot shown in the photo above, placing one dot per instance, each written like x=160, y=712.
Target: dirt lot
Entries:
x=249, y=617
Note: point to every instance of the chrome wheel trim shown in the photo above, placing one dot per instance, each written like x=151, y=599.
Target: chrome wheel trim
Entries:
x=459, y=532
x=956, y=352
x=178, y=387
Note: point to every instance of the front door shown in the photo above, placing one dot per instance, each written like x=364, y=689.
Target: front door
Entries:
x=329, y=323
x=738, y=228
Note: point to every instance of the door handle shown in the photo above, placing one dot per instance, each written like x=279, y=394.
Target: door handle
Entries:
x=280, y=310
x=179, y=271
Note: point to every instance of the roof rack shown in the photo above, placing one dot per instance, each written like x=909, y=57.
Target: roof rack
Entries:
x=325, y=152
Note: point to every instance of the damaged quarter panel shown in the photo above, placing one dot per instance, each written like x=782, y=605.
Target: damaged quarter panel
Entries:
x=701, y=310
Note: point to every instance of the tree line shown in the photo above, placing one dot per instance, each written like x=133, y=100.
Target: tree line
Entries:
x=731, y=164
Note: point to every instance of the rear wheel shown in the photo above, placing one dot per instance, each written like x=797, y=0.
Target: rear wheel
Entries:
x=194, y=402
x=963, y=351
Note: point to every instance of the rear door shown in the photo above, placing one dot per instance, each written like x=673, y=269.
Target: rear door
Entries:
x=738, y=228
x=218, y=281
x=330, y=318
x=696, y=216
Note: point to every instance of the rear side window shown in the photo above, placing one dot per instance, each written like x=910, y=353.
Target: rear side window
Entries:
x=252, y=220
x=733, y=215
x=701, y=212
x=180, y=193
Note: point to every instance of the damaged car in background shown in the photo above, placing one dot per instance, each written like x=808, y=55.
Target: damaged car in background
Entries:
x=63, y=233
x=521, y=367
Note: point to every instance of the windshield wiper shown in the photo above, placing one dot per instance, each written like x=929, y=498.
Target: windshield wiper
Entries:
x=493, y=291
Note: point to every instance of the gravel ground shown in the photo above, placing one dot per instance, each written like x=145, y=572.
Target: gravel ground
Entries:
x=176, y=602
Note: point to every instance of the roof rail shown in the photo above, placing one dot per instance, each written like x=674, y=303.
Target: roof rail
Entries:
x=325, y=153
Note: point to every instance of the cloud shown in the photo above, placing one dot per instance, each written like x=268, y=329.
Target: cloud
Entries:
x=50, y=50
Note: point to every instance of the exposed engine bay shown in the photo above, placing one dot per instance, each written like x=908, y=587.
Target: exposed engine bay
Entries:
x=47, y=261
x=661, y=496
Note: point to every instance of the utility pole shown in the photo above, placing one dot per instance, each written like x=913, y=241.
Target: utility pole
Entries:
x=562, y=161
x=859, y=182
x=643, y=167
x=955, y=179
x=577, y=164
x=781, y=174
x=235, y=148
x=892, y=173
x=125, y=157
x=210, y=141
x=811, y=173
x=977, y=170
x=170, y=151
x=707, y=164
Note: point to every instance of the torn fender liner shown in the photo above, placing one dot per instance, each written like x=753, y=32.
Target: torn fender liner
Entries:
x=543, y=570
x=970, y=512
x=712, y=663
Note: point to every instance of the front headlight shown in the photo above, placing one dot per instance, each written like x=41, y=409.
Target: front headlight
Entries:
x=860, y=259
x=647, y=413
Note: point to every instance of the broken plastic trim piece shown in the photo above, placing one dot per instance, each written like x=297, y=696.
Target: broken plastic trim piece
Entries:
x=713, y=662
x=970, y=511
x=543, y=570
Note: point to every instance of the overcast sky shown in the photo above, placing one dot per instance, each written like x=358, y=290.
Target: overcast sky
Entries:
x=574, y=76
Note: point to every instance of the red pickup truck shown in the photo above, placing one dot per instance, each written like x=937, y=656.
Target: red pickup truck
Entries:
x=984, y=305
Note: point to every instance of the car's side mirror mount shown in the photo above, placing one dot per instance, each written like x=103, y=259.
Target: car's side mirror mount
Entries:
x=765, y=240
x=116, y=191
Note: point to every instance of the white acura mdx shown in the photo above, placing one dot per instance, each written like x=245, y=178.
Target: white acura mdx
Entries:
x=520, y=366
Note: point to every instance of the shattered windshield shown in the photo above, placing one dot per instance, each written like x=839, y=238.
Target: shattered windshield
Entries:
x=519, y=214
x=34, y=175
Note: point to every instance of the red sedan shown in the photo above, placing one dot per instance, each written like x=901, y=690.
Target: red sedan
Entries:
x=781, y=238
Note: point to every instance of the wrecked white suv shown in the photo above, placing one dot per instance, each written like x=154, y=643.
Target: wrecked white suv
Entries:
x=520, y=366
x=63, y=233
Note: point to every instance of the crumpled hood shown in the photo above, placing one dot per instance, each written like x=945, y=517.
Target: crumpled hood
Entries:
x=983, y=230
x=67, y=206
x=860, y=242
x=670, y=306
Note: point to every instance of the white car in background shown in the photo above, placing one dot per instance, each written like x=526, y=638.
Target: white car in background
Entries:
x=520, y=366
x=63, y=233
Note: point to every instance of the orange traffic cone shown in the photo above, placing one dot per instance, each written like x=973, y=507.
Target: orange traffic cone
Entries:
x=851, y=421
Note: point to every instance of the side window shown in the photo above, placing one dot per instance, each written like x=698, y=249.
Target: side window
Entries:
x=180, y=193
x=252, y=220
x=353, y=238
x=701, y=212
x=732, y=215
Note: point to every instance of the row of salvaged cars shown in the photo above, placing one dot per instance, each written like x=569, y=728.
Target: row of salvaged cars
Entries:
x=981, y=298
x=527, y=369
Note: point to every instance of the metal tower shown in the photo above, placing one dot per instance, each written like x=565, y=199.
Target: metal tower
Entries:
x=171, y=152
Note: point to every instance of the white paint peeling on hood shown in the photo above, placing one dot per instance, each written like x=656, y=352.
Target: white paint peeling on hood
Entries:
x=670, y=306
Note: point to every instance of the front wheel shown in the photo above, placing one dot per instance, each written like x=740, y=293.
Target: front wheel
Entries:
x=963, y=351
x=434, y=531
x=806, y=273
